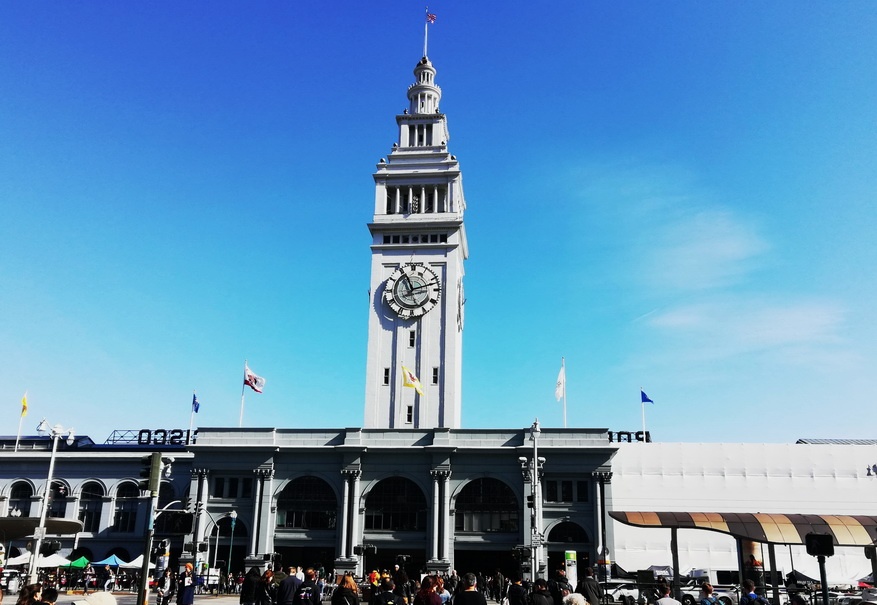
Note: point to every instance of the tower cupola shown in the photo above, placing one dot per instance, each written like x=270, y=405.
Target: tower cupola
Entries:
x=424, y=95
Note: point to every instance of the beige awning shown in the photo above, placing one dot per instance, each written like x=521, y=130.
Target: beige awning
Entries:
x=847, y=530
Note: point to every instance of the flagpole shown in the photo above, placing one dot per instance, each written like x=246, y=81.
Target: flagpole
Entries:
x=192, y=413
x=20, y=420
x=643, y=406
x=243, y=386
x=563, y=367
x=425, y=30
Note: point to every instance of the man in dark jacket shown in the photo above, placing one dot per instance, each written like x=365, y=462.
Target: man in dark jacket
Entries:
x=288, y=587
x=590, y=588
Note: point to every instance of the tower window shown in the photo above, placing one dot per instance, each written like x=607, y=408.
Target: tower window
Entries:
x=386, y=376
x=409, y=414
x=412, y=338
x=435, y=375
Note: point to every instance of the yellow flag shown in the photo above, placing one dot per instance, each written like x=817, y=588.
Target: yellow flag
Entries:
x=410, y=380
x=24, y=405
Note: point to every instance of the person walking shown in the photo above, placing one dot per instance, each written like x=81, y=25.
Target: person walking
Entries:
x=288, y=587
x=590, y=588
x=186, y=586
x=470, y=595
x=248, y=587
x=266, y=590
x=706, y=594
x=346, y=592
x=166, y=587
x=665, y=598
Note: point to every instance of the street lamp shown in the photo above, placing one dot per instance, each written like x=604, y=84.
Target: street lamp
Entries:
x=55, y=433
x=234, y=519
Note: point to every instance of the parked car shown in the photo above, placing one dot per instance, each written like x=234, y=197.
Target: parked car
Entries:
x=622, y=591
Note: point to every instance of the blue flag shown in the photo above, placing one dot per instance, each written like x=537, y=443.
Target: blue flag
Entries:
x=195, y=404
x=645, y=397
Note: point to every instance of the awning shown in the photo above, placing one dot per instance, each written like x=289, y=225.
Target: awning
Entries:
x=15, y=528
x=847, y=530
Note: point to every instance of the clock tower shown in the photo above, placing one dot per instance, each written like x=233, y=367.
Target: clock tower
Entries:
x=415, y=328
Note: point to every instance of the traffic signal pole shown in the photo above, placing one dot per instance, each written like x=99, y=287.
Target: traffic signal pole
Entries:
x=154, y=479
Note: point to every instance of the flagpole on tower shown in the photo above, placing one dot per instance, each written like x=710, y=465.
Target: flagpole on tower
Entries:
x=243, y=386
x=21, y=419
x=644, y=399
x=560, y=388
x=425, y=31
x=192, y=413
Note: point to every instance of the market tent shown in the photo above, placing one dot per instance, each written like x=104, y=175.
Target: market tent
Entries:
x=137, y=564
x=22, y=559
x=80, y=563
x=54, y=560
x=112, y=561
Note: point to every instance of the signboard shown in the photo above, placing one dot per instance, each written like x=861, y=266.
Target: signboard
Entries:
x=570, y=564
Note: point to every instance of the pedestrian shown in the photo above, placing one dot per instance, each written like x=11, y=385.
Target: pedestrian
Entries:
x=308, y=593
x=288, y=587
x=749, y=597
x=470, y=595
x=186, y=586
x=706, y=594
x=346, y=592
x=49, y=595
x=590, y=588
x=516, y=594
x=541, y=596
x=248, y=587
x=266, y=589
x=109, y=579
x=166, y=587
x=665, y=598
x=559, y=586
x=427, y=595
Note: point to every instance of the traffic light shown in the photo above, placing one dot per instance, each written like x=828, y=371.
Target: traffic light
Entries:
x=357, y=550
x=178, y=522
x=819, y=545
x=202, y=547
x=531, y=501
x=49, y=547
x=145, y=473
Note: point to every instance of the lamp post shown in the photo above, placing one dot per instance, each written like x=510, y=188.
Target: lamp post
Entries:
x=532, y=472
x=55, y=433
x=234, y=519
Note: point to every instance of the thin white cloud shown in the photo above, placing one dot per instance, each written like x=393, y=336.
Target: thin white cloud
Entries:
x=738, y=326
x=704, y=249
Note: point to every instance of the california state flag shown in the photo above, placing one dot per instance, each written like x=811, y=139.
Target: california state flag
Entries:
x=409, y=379
x=252, y=380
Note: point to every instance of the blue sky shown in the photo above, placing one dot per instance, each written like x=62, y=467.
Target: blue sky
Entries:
x=678, y=196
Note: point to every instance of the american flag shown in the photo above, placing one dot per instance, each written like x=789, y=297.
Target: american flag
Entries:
x=430, y=18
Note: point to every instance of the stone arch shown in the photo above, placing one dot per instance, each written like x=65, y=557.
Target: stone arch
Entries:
x=21, y=494
x=91, y=501
x=564, y=531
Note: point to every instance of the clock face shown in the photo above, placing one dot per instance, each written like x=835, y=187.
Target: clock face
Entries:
x=412, y=290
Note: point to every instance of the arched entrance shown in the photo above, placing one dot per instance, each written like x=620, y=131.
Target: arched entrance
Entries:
x=486, y=527
x=396, y=522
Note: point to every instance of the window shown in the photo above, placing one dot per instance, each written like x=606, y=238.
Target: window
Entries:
x=412, y=338
x=386, y=376
x=435, y=375
x=20, y=498
x=90, y=506
x=307, y=503
x=566, y=490
x=127, y=501
x=396, y=504
x=232, y=487
x=409, y=414
x=58, y=500
x=486, y=505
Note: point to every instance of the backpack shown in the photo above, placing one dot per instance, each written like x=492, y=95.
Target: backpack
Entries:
x=304, y=596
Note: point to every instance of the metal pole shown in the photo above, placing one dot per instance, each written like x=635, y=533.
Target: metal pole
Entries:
x=40, y=532
x=154, y=479
x=234, y=519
